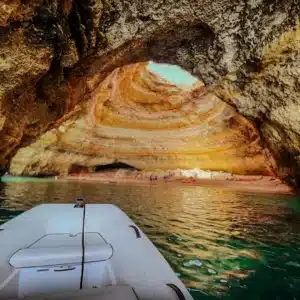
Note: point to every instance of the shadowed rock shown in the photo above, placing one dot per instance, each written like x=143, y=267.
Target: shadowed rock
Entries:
x=246, y=52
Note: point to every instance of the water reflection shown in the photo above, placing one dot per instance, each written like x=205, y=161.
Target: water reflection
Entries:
x=220, y=242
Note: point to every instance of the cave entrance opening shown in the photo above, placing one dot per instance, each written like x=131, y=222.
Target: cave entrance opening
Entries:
x=114, y=167
x=77, y=169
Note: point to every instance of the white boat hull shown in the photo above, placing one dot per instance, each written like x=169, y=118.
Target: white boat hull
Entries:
x=41, y=253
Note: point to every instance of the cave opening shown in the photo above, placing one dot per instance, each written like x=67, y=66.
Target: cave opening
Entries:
x=173, y=73
x=162, y=118
x=114, y=167
x=76, y=169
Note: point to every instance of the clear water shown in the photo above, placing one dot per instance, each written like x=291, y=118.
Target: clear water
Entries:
x=223, y=244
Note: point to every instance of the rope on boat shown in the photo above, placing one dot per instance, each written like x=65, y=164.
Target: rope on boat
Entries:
x=81, y=204
x=83, y=247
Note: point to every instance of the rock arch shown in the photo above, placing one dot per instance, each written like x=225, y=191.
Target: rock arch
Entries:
x=250, y=50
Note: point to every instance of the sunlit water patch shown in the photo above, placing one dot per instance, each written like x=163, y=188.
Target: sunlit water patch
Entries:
x=221, y=243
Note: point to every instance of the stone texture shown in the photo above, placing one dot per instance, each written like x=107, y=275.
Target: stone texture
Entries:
x=15, y=10
x=137, y=118
x=237, y=45
x=270, y=93
x=20, y=65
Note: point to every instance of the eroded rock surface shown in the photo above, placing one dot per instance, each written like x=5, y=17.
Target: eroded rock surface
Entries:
x=240, y=45
x=137, y=118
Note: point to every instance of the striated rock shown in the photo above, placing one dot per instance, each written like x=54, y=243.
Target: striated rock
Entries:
x=137, y=118
x=270, y=93
x=239, y=45
x=18, y=108
x=38, y=45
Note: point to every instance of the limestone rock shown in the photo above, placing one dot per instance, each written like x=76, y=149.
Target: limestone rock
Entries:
x=137, y=118
x=15, y=10
x=7, y=8
x=271, y=94
x=20, y=65
x=239, y=45
x=37, y=47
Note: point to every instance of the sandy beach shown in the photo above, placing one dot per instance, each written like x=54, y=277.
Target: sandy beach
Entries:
x=264, y=184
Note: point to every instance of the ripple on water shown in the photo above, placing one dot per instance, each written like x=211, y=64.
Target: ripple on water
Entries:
x=219, y=242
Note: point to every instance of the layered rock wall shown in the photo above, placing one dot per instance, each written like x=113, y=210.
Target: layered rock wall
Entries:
x=137, y=118
x=66, y=48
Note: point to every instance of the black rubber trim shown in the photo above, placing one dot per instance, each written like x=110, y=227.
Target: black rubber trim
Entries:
x=137, y=232
x=64, y=270
x=177, y=290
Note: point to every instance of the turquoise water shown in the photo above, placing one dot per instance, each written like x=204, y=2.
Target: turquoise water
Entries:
x=223, y=244
x=9, y=178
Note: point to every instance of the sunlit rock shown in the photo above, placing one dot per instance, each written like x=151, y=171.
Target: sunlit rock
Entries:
x=138, y=118
x=250, y=49
x=270, y=92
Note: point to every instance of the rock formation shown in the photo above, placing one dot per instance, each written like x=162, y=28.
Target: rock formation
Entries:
x=137, y=118
x=54, y=54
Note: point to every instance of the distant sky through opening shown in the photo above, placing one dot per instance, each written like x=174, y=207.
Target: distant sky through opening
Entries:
x=173, y=74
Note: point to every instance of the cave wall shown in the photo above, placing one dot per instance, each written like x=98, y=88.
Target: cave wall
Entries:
x=136, y=117
x=53, y=54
